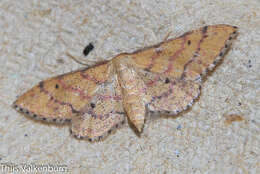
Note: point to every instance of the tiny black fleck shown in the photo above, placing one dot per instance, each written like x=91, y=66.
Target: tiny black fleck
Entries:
x=189, y=42
x=56, y=86
x=90, y=139
x=147, y=69
x=249, y=61
x=54, y=119
x=239, y=104
x=92, y=105
x=230, y=38
x=167, y=80
x=25, y=135
x=87, y=49
x=220, y=54
x=61, y=61
x=41, y=84
x=44, y=119
x=204, y=30
x=34, y=115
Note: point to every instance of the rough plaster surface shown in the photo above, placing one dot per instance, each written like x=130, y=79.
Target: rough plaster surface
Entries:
x=34, y=39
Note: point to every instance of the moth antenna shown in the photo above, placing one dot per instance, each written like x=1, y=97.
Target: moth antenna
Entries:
x=167, y=36
x=76, y=59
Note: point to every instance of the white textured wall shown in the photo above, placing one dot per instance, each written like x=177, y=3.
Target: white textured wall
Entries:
x=35, y=36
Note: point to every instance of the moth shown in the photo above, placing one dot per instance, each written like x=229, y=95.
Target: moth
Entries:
x=162, y=79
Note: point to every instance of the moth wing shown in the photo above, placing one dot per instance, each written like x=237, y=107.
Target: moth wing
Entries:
x=188, y=56
x=59, y=98
x=169, y=95
x=172, y=70
x=104, y=113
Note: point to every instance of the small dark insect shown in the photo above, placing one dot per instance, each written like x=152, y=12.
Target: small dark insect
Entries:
x=87, y=49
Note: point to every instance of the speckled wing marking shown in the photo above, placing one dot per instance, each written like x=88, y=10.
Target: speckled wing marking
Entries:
x=172, y=70
x=91, y=98
x=190, y=55
x=58, y=98
x=102, y=115
x=169, y=95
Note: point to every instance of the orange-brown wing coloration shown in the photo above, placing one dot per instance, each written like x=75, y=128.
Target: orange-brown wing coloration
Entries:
x=59, y=98
x=90, y=99
x=169, y=95
x=189, y=55
x=172, y=70
x=165, y=78
x=104, y=112
x=168, y=74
